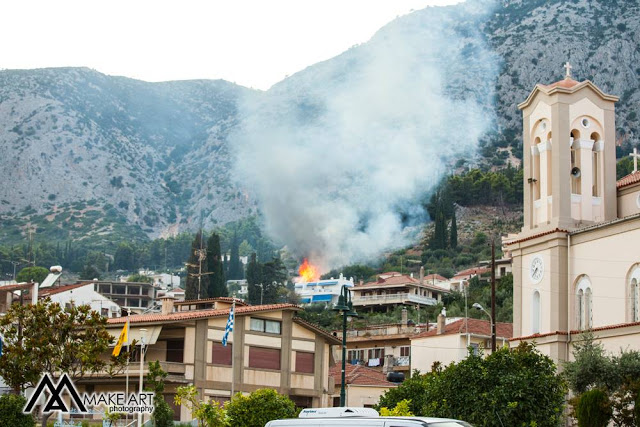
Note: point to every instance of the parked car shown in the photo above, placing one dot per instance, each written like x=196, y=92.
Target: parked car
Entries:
x=361, y=417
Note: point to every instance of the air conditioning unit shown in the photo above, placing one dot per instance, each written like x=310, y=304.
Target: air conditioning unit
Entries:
x=114, y=309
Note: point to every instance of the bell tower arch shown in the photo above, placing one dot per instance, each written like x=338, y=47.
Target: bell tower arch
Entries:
x=569, y=155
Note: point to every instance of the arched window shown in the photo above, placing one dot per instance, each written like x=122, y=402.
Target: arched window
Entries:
x=575, y=162
x=536, y=170
x=635, y=302
x=584, y=304
x=595, y=137
x=535, y=313
x=633, y=294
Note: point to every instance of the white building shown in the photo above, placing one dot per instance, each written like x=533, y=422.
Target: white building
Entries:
x=322, y=291
x=82, y=294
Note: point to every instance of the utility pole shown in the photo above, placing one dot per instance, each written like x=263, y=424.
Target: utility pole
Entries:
x=493, y=296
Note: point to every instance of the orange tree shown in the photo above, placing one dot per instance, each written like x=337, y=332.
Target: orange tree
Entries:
x=518, y=387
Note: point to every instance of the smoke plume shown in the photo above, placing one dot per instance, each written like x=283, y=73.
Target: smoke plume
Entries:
x=341, y=155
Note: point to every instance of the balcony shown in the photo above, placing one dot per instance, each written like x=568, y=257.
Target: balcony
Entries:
x=405, y=298
x=402, y=361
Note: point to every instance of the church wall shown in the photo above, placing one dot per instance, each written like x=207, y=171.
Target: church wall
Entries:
x=629, y=201
x=605, y=256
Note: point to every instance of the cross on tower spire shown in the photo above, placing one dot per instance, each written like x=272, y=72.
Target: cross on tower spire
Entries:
x=568, y=67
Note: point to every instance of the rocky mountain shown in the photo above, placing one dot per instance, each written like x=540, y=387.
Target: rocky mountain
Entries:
x=91, y=156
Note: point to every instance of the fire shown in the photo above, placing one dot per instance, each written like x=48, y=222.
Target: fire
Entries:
x=308, y=271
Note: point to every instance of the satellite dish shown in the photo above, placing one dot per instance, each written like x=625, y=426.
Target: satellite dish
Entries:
x=575, y=172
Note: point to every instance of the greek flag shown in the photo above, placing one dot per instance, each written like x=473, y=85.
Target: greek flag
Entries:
x=229, y=327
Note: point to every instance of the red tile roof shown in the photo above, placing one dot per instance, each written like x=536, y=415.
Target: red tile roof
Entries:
x=52, y=291
x=632, y=178
x=16, y=287
x=535, y=236
x=200, y=314
x=567, y=83
x=398, y=279
x=206, y=300
x=359, y=375
x=475, y=271
x=475, y=326
x=430, y=277
x=576, y=331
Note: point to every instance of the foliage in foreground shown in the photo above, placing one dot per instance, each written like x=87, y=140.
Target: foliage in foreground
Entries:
x=618, y=376
x=11, y=411
x=254, y=410
x=162, y=413
x=518, y=387
x=593, y=409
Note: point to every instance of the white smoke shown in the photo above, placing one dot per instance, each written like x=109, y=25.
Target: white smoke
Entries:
x=341, y=155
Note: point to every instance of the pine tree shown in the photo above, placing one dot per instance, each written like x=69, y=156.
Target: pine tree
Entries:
x=193, y=281
x=254, y=278
x=439, y=240
x=217, y=285
x=453, y=237
x=274, y=277
x=235, y=268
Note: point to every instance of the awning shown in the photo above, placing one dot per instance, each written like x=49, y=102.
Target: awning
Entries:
x=135, y=333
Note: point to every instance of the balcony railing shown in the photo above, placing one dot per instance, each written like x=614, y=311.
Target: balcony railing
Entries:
x=393, y=299
x=402, y=361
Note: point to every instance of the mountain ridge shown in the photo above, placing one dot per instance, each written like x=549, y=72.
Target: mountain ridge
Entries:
x=97, y=157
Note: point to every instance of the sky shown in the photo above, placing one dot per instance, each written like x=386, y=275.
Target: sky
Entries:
x=254, y=43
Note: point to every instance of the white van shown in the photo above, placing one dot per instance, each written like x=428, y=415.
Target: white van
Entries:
x=360, y=417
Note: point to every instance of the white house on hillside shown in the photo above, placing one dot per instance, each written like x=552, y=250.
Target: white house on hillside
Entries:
x=81, y=294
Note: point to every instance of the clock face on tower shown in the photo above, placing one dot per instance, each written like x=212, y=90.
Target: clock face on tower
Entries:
x=536, y=269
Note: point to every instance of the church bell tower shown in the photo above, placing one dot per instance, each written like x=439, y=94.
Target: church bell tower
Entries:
x=569, y=155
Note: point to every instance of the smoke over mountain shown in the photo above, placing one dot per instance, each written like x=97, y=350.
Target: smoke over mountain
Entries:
x=341, y=154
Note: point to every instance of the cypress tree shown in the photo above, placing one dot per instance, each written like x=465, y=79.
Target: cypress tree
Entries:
x=453, y=238
x=254, y=278
x=235, y=268
x=217, y=285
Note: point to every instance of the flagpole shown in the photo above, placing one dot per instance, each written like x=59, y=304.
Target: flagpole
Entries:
x=126, y=381
x=233, y=351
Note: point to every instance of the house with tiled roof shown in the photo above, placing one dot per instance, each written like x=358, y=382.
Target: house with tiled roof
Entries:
x=363, y=386
x=396, y=289
x=450, y=340
x=270, y=347
x=81, y=294
x=576, y=266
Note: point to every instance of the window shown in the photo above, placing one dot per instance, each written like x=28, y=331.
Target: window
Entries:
x=175, y=350
x=354, y=356
x=264, y=358
x=304, y=362
x=535, y=313
x=405, y=351
x=267, y=326
x=584, y=304
x=635, y=301
x=222, y=355
x=475, y=347
x=376, y=356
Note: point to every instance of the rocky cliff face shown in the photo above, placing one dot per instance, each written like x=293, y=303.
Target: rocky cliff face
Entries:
x=86, y=154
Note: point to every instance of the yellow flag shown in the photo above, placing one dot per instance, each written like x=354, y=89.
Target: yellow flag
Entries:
x=122, y=339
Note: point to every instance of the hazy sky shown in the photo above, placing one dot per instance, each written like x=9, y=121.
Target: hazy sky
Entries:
x=254, y=43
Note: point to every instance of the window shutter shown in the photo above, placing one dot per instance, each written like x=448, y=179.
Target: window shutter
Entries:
x=221, y=354
x=264, y=358
x=304, y=362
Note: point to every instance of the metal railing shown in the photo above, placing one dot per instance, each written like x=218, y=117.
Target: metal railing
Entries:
x=393, y=298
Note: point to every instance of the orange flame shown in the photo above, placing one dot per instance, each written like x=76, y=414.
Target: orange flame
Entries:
x=308, y=272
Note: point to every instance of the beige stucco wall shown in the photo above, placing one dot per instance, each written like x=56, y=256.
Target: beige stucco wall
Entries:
x=425, y=351
x=263, y=378
x=363, y=395
x=628, y=201
x=606, y=261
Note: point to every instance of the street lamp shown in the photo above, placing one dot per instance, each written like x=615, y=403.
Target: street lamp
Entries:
x=344, y=306
x=493, y=326
x=143, y=332
x=261, y=291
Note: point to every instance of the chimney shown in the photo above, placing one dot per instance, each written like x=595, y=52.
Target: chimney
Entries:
x=422, y=275
x=442, y=320
x=405, y=317
x=167, y=304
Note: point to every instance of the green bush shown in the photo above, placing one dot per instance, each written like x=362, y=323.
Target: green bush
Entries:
x=258, y=408
x=11, y=411
x=594, y=409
